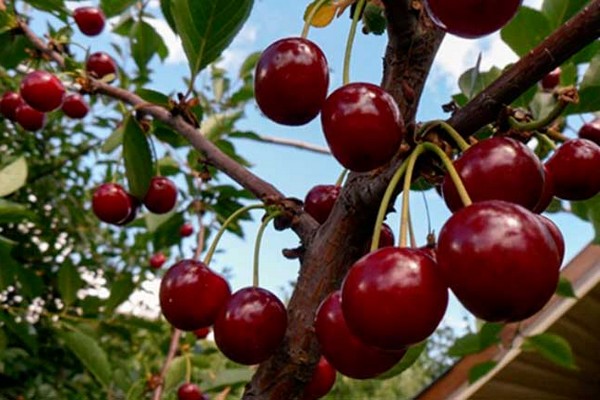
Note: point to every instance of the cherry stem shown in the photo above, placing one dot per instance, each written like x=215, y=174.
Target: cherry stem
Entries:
x=153, y=147
x=460, y=187
x=341, y=178
x=311, y=16
x=411, y=231
x=405, y=213
x=535, y=125
x=224, y=226
x=259, y=235
x=453, y=133
x=357, y=12
x=188, y=368
x=543, y=138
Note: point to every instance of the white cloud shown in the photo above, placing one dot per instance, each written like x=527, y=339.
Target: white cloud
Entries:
x=233, y=57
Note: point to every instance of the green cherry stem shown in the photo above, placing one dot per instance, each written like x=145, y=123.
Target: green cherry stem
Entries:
x=341, y=178
x=261, y=230
x=460, y=187
x=348, y=55
x=535, y=125
x=411, y=232
x=229, y=220
x=188, y=368
x=546, y=140
x=154, y=154
x=453, y=133
x=405, y=213
x=311, y=16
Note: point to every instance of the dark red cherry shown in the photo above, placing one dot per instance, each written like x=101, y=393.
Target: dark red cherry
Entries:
x=202, y=333
x=187, y=229
x=189, y=391
x=100, y=64
x=551, y=80
x=386, y=236
x=161, y=195
x=135, y=207
x=191, y=295
x=319, y=201
x=362, y=125
x=346, y=353
x=556, y=235
x=291, y=81
x=499, y=260
x=250, y=326
x=471, y=18
x=75, y=107
x=111, y=203
x=89, y=20
x=573, y=167
x=157, y=260
x=9, y=103
x=322, y=381
x=30, y=119
x=381, y=290
x=42, y=91
x=547, y=192
x=591, y=131
x=499, y=168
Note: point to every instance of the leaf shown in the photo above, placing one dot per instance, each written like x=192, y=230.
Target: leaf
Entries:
x=176, y=373
x=410, y=357
x=481, y=369
x=374, y=19
x=13, y=50
x=153, y=221
x=249, y=65
x=14, y=212
x=91, y=355
x=472, y=81
x=565, y=288
x=207, y=27
x=69, y=282
x=589, y=89
x=165, y=7
x=139, y=166
x=57, y=6
x=228, y=377
x=113, y=141
x=553, y=347
x=168, y=166
x=468, y=344
x=13, y=176
x=115, y=7
x=166, y=134
x=145, y=43
x=489, y=334
x=560, y=11
x=153, y=96
x=324, y=14
x=167, y=234
x=527, y=20
x=9, y=266
x=120, y=291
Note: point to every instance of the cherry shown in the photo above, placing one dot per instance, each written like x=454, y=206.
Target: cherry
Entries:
x=547, y=192
x=471, y=18
x=250, y=326
x=499, y=168
x=556, y=235
x=135, y=206
x=157, y=260
x=9, y=103
x=189, y=391
x=191, y=295
x=573, y=167
x=202, y=333
x=319, y=201
x=75, y=107
x=42, y=91
x=591, y=131
x=111, y=203
x=346, y=353
x=386, y=236
x=362, y=125
x=551, y=80
x=89, y=20
x=100, y=65
x=30, y=119
x=322, y=381
x=379, y=295
x=161, y=195
x=499, y=260
x=187, y=229
x=291, y=81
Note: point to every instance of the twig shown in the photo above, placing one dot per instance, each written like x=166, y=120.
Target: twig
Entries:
x=173, y=346
x=295, y=143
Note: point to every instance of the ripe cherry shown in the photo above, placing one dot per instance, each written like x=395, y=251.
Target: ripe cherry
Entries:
x=591, y=131
x=157, y=260
x=499, y=168
x=471, y=18
x=319, y=201
x=202, y=333
x=135, y=207
x=111, y=203
x=547, y=192
x=191, y=295
x=322, y=381
x=250, y=326
x=572, y=166
x=75, y=107
x=551, y=80
x=42, y=91
x=30, y=119
x=499, y=260
x=187, y=229
x=344, y=351
x=161, y=195
x=9, y=103
x=556, y=235
x=189, y=391
x=89, y=20
x=291, y=81
x=379, y=295
x=386, y=236
x=100, y=64
x=362, y=125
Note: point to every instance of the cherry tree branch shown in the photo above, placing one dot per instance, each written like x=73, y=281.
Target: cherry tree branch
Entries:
x=298, y=144
x=173, y=346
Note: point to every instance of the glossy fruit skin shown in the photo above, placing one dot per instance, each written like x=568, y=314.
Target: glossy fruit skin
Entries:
x=161, y=195
x=189, y=391
x=29, y=118
x=344, y=351
x=319, y=201
x=74, y=106
x=381, y=290
x=471, y=18
x=191, y=295
x=187, y=229
x=362, y=125
x=547, y=192
x=135, y=207
x=551, y=80
x=89, y=20
x=9, y=103
x=157, y=260
x=42, y=90
x=100, y=64
x=386, y=237
x=591, y=131
x=571, y=167
x=202, y=333
x=291, y=81
x=499, y=260
x=250, y=326
x=111, y=203
x=321, y=382
x=499, y=168
x=556, y=235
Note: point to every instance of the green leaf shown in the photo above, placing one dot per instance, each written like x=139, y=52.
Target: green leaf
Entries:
x=153, y=221
x=527, y=20
x=168, y=166
x=167, y=233
x=207, y=27
x=153, y=96
x=481, y=369
x=115, y=7
x=542, y=104
x=9, y=266
x=139, y=166
x=553, y=347
x=165, y=7
x=120, y=291
x=69, y=282
x=409, y=358
x=91, y=355
x=489, y=334
x=249, y=65
x=166, y=134
x=565, y=288
x=13, y=50
x=472, y=81
x=14, y=212
x=176, y=373
x=13, y=176
x=49, y=5
x=589, y=89
x=228, y=377
x=560, y=11
x=374, y=19
x=113, y=141
x=146, y=42
x=468, y=344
